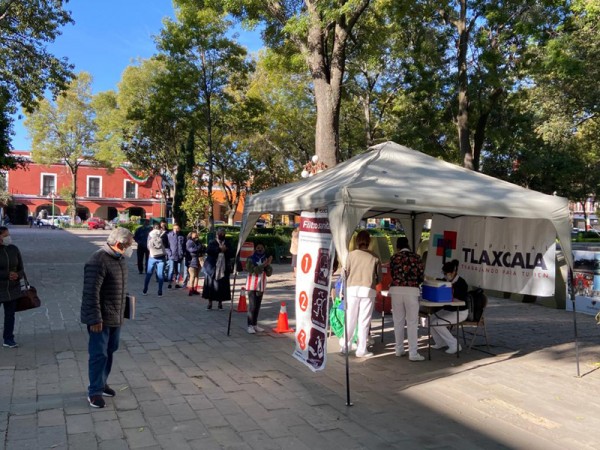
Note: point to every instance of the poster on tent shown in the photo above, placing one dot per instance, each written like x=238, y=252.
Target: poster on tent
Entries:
x=510, y=255
x=313, y=274
x=586, y=282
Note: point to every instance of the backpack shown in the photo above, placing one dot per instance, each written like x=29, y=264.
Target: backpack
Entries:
x=476, y=302
x=156, y=242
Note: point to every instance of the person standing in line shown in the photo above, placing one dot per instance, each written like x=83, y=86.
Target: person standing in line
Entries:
x=103, y=308
x=294, y=247
x=194, y=250
x=217, y=268
x=175, y=254
x=156, y=261
x=442, y=336
x=408, y=274
x=141, y=238
x=11, y=272
x=363, y=272
x=258, y=266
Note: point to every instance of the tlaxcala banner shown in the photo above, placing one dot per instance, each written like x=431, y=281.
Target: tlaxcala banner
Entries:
x=509, y=255
x=313, y=274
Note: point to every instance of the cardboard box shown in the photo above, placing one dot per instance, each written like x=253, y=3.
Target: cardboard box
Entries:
x=436, y=293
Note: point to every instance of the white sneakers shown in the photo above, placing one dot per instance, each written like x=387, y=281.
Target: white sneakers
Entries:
x=255, y=329
x=251, y=329
x=400, y=351
x=258, y=329
x=364, y=355
x=416, y=357
x=453, y=350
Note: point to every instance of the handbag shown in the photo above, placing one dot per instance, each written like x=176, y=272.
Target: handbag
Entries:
x=29, y=298
x=129, y=307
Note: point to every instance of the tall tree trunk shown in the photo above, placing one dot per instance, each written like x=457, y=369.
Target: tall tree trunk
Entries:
x=327, y=137
x=462, y=118
x=327, y=70
x=74, y=194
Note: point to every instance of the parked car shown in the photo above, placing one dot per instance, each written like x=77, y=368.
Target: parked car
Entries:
x=261, y=223
x=95, y=223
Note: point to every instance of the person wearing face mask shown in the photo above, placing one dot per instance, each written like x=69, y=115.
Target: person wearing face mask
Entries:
x=217, y=268
x=103, y=308
x=442, y=336
x=11, y=272
x=259, y=268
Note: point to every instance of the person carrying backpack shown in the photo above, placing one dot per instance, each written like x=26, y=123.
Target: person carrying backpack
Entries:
x=156, y=248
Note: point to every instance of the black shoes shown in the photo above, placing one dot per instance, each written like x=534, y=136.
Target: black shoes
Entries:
x=108, y=391
x=96, y=401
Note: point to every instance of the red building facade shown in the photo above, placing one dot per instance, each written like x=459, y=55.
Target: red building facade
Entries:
x=100, y=193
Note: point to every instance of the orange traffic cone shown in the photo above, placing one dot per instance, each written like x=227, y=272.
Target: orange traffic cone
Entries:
x=242, y=306
x=282, y=321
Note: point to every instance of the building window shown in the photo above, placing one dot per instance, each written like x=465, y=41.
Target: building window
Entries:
x=94, y=185
x=48, y=184
x=130, y=189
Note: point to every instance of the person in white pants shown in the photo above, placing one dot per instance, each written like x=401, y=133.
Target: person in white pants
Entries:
x=363, y=272
x=447, y=316
x=407, y=273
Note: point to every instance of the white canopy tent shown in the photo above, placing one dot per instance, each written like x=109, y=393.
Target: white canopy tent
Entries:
x=394, y=181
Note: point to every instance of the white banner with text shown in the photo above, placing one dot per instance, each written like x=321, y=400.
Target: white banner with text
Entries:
x=509, y=255
x=313, y=274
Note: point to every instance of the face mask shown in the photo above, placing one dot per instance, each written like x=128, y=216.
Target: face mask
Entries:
x=128, y=252
x=6, y=240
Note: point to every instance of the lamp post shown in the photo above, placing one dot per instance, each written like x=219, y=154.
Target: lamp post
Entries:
x=52, y=196
x=159, y=195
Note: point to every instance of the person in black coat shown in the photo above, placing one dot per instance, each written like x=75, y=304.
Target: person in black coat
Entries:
x=141, y=238
x=194, y=250
x=217, y=268
x=175, y=254
x=103, y=309
x=11, y=272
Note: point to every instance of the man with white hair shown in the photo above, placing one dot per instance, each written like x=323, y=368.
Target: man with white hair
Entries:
x=103, y=308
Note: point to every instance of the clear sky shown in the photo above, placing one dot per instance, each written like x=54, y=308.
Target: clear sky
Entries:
x=106, y=37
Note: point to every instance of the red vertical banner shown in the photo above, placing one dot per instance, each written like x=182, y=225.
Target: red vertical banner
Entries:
x=313, y=275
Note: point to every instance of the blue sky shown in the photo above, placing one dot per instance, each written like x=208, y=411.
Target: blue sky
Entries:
x=107, y=36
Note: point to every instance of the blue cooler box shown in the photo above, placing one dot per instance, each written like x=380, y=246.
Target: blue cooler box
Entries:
x=436, y=293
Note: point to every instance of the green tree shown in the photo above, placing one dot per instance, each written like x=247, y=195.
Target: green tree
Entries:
x=491, y=39
x=205, y=63
x=321, y=32
x=63, y=130
x=27, y=69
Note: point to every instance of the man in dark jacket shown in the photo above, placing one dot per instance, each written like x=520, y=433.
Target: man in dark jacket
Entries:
x=175, y=253
x=103, y=308
x=141, y=238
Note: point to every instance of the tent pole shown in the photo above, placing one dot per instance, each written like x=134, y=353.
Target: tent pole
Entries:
x=413, y=216
x=348, y=345
x=232, y=297
x=572, y=292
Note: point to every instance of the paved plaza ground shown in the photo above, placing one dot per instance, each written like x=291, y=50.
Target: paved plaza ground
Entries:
x=182, y=383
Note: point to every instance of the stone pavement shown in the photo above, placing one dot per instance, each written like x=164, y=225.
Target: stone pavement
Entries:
x=182, y=383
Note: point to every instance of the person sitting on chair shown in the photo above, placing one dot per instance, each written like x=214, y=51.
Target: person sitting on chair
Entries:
x=442, y=336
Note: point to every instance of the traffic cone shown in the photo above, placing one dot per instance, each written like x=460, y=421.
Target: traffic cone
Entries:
x=282, y=321
x=242, y=306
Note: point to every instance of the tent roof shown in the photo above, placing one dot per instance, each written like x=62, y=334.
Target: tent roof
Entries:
x=391, y=180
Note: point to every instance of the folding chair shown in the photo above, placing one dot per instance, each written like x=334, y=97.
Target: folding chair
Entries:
x=479, y=327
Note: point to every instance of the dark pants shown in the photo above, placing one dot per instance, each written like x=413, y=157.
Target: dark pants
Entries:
x=254, y=301
x=101, y=348
x=142, y=258
x=9, y=320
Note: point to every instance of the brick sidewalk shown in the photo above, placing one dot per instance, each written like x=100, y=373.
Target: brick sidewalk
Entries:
x=183, y=383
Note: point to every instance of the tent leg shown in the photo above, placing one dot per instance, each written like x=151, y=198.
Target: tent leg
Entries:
x=347, y=345
x=231, y=305
x=572, y=291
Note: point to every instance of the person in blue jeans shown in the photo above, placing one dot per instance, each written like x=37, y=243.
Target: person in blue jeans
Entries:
x=11, y=272
x=175, y=254
x=103, y=309
x=156, y=247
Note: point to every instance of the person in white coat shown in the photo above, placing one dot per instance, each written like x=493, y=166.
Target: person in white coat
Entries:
x=363, y=272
